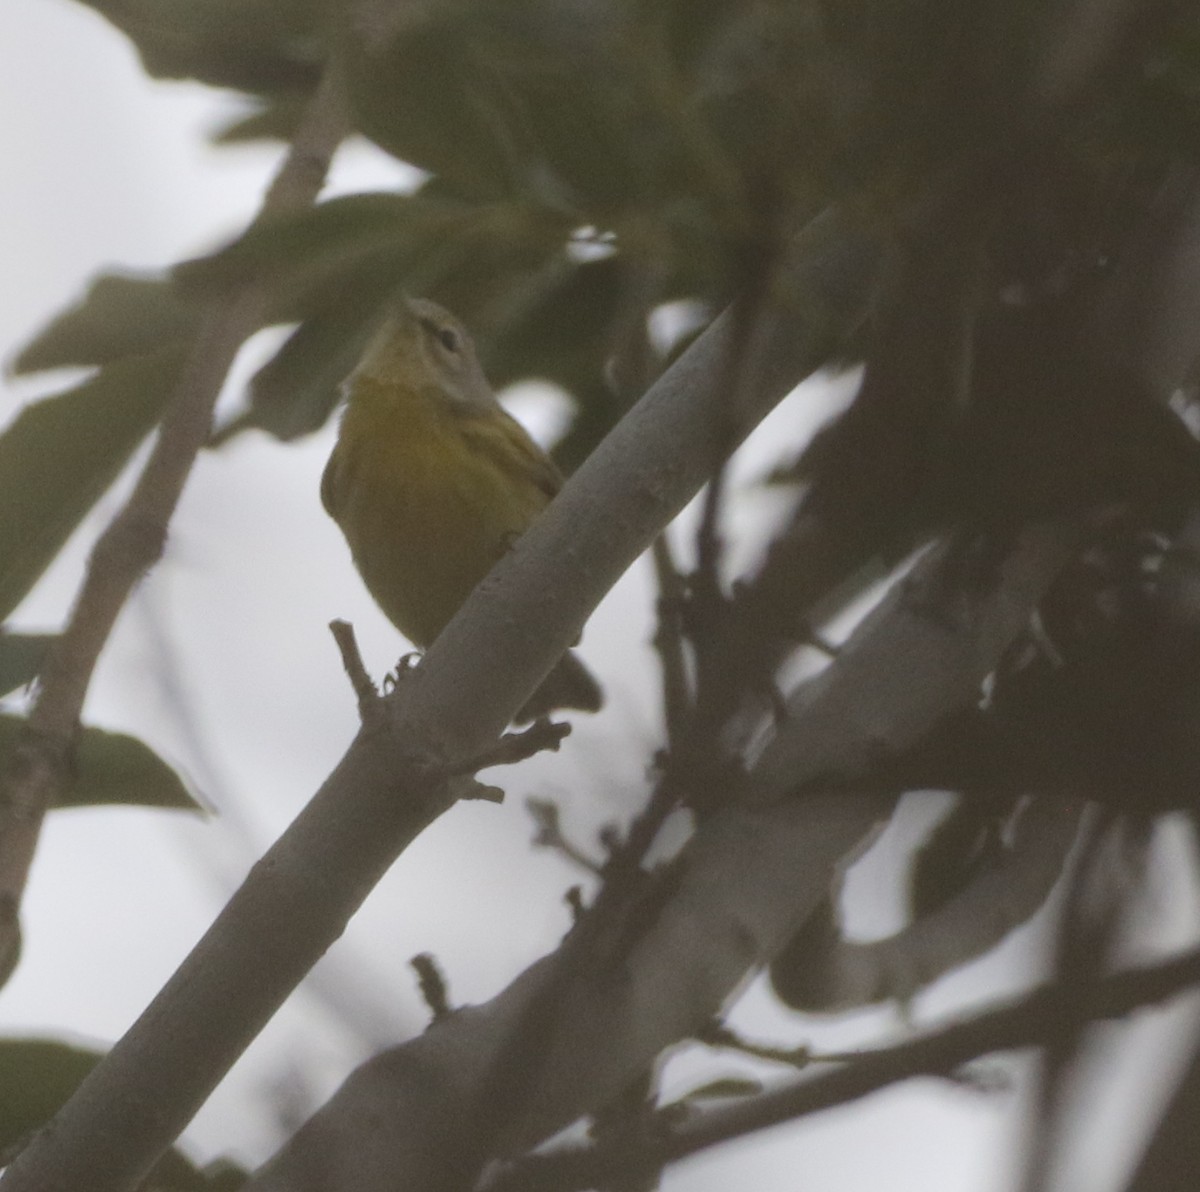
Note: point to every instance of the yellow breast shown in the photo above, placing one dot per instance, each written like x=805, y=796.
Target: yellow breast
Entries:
x=429, y=497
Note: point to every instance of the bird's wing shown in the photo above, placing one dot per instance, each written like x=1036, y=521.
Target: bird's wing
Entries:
x=329, y=485
x=505, y=442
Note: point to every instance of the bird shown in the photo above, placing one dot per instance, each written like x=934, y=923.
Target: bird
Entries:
x=431, y=481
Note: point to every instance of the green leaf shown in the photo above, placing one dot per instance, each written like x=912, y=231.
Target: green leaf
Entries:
x=964, y=844
x=260, y=46
x=294, y=393
x=606, y=125
x=112, y=768
x=61, y=454
x=528, y=98
x=37, y=1076
x=368, y=239
x=273, y=120
x=338, y=262
x=565, y=335
x=21, y=657
x=120, y=315
x=175, y=1173
x=336, y=266
x=570, y=316
x=729, y=1086
x=116, y=768
x=428, y=97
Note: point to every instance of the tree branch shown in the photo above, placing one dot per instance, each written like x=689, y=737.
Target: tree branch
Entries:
x=669, y=640
x=740, y=889
x=391, y=783
x=356, y=671
x=1034, y=1019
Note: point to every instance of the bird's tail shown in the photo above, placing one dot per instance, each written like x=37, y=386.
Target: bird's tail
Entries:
x=569, y=685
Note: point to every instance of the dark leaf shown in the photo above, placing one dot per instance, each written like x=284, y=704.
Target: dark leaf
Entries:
x=21, y=657
x=37, y=1076
x=260, y=46
x=295, y=392
x=367, y=237
x=729, y=1086
x=112, y=768
x=427, y=96
x=116, y=768
x=272, y=120
x=963, y=844
x=62, y=453
x=174, y=1172
x=569, y=317
x=565, y=333
x=570, y=105
x=336, y=267
x=596, y=413
x=602, y=149
x=803, y=974
x=119, y=316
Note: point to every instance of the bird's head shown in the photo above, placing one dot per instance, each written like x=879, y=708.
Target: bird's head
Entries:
x=422, y=347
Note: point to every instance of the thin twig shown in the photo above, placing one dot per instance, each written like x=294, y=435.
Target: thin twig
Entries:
x=1086, y=929
x=668, y=639
x=707, y=604
x=717, y=1034
x=432, y=983
x=347, y=644
x=542, y=735
x=1032, y=1020
x=707, y=748
x=550, y=835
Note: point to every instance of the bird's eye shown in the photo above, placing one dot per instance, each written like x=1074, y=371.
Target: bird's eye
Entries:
x=446, y=336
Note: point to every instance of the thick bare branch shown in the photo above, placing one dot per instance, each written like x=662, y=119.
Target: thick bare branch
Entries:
x=738, y=892
x=391, y=783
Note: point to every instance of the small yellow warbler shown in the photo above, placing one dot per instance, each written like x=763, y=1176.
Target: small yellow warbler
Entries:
x=431, y=482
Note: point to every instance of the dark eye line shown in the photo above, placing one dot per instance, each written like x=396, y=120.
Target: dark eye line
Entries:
x=445, y=335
